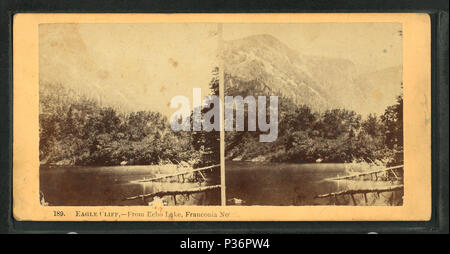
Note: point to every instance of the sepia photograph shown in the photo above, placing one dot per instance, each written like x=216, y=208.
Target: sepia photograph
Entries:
x=107, y=96
x=333, y=130
x=338, y=123
x=222, y=117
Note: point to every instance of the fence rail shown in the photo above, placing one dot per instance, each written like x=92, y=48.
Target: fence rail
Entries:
x=176, y=174
x=375, y=172
x=175, y=192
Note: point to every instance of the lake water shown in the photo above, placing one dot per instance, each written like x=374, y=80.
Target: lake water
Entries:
x=256, y=183
x=108, y=186
x=261, y=183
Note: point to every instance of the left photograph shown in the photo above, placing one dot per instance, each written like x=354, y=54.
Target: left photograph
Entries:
x=121, y=111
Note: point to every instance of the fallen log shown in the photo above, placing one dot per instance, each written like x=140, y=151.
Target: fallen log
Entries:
x=359, y=191
x=175, y=192
x=366, y=173
x=175, y=174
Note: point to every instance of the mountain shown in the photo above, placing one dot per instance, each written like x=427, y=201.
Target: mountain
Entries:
x=255, y=65
x=263, y=65
x=65, y=59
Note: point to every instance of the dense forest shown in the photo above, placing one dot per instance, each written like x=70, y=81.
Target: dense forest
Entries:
x=77, y=130
x=335, y=135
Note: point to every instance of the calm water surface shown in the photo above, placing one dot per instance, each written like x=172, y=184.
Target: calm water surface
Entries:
x=102, y=186
x=257, y=183
x=260, y=183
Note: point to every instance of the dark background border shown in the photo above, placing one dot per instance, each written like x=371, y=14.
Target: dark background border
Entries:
x=438, y=11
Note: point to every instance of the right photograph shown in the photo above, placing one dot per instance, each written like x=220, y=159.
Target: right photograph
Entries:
x=313, y=114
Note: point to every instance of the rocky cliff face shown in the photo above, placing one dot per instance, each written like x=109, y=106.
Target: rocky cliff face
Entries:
x=262, y=65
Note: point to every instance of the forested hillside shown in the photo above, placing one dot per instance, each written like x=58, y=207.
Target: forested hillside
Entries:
x=76, y=130
x=335, y=135
x=330, y=109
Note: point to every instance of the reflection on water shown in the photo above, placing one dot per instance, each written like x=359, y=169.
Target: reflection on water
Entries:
x=280, y=183
x=247, y=183
x=109, y=186
x=260, y=183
